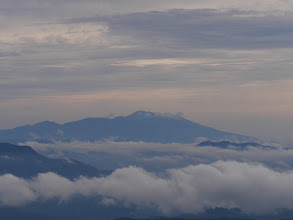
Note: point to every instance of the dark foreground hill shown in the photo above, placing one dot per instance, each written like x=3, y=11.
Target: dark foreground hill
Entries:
x=23, y=161
x=139, y=126
x=185, y=219
x=90, y=209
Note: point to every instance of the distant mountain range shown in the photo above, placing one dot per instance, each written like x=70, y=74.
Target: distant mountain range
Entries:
x=234, y=146
x=23, y=161
x=139, y=126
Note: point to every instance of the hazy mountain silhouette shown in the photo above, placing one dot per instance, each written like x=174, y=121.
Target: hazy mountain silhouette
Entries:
x=235, y=146
x=139, y=126
x=23, y=161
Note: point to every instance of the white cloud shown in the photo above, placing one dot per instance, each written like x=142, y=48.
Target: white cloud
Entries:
x=162, y=151
x=15, y=191
x=251, y=187
x=156, y=157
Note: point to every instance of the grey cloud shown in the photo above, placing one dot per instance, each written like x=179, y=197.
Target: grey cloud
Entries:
x=53, y=8
x=204, y=28
x=154, y=156
x=8, y=54
x=53, y=56
x=189, y=190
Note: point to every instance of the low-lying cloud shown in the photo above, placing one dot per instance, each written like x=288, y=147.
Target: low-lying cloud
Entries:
x=152, y=156
x=252, y=187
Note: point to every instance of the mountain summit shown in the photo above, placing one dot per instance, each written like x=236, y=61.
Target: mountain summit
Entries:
x=142, y=115
x=140, y=126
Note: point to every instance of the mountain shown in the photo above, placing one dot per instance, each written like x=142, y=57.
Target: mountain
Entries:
x=166, y=218
x=139, y=126
x=23, y=161
x=231, y=145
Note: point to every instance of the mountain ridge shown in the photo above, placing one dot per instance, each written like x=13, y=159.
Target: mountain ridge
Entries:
x=23, y=161
x=235, y=146
x=140, y=126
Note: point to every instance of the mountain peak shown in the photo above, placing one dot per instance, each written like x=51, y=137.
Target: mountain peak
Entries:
x=139, y=126
x=141, y=115
x=23, y=161
x=46, y=123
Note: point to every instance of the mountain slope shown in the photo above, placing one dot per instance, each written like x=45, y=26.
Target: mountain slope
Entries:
x=23, y=161
x=139, y=126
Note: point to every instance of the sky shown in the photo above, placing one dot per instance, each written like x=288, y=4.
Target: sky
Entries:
x=226, y=64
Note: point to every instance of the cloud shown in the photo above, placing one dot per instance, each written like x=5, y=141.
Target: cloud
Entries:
x=252, y=187
x=144, y=63
x=141, y=50
x=15, y=191
x=43, y=8
x=57, y=34
x=176, y=62
x=155, y=156
x=203, y=28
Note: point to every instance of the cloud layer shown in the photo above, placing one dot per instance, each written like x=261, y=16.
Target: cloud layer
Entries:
x=253, y=188
x=204, y=28
x=154, y=156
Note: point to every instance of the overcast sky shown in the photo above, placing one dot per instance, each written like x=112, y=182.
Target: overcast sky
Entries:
x=226, y=64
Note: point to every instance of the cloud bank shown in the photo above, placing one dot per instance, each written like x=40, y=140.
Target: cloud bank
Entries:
x=154, y=156
x=251, y=187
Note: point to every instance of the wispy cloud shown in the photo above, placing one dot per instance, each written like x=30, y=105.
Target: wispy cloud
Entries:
x=144, y=63
x=56, y=34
